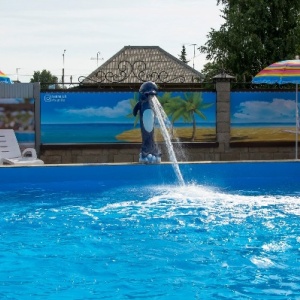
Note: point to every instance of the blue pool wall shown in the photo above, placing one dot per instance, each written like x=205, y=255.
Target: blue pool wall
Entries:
x=251, y=175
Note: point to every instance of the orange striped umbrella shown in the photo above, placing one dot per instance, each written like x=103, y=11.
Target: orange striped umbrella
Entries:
x=282, y=72
x=4, y=78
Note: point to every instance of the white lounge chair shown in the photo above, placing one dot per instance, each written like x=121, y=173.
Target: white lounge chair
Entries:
x=10, y=152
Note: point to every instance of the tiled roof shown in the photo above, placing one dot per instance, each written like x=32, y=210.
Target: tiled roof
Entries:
x=136, y=64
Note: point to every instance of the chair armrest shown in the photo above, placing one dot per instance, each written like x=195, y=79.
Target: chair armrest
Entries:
x=29, y=152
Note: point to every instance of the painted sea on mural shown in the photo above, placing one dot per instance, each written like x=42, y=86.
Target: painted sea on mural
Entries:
x=82, y=133
x=91, y=133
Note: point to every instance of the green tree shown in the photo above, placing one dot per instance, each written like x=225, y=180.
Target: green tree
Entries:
x=255, y=34
x=187, y=109
x=182, y=56
x=133, y=102
x=45, y=78
x=165, y=101
x=210, y=70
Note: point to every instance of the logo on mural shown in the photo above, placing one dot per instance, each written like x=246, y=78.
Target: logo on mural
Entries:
x=55, y=98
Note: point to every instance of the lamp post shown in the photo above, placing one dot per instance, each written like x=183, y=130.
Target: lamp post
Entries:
x=194, y=55
x=97, y=58
x=63, y=70
x=17, y=71
x=98, y=53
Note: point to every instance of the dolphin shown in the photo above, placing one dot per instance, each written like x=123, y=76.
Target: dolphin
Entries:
x=150, y=152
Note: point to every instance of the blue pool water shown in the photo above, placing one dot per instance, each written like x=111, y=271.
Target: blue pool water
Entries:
x=130, y=232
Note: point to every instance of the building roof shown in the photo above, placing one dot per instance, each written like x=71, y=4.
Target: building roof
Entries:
x=137, y=64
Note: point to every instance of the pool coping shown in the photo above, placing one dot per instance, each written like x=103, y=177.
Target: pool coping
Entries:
x=162, y=163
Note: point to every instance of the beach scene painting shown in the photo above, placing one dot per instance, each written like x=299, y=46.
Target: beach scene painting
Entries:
x=263, y=116
x=106, y=117
x=18, y=114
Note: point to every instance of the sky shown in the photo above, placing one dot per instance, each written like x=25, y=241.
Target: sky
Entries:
x=57, y=34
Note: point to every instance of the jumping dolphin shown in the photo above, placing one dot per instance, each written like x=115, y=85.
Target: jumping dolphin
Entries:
x=149, y=151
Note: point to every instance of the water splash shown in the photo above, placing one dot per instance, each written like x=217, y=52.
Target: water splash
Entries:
x=163, y=120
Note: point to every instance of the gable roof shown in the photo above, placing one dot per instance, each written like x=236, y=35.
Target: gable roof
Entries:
x=136, y=64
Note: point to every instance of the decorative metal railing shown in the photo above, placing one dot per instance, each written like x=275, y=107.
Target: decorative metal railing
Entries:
x=137, y=70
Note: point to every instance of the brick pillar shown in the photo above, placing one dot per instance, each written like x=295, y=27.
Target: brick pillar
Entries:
x=222, y=83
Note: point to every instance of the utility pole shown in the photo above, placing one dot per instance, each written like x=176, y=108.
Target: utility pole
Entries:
x=63, y=70
x=17, y=71
x=194, y=54
x=97, y=58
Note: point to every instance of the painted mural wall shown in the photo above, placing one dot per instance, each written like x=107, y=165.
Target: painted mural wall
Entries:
x=106, y=117
x=18, y=114
x=263, y=116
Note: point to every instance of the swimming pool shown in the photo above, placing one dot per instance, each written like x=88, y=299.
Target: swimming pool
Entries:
x=131, y=232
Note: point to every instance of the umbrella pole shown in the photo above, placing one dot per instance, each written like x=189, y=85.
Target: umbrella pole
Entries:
x=297, y=120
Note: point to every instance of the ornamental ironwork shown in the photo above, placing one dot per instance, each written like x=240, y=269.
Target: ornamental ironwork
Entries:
x=137, y=69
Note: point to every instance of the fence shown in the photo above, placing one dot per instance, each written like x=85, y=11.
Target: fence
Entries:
x=226, y=143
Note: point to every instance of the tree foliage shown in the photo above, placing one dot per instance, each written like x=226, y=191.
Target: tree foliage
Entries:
x=210, y=70
x=182, y=56
x=45, y=78
x=133, y=103
x=255, y=34
x=187, y=109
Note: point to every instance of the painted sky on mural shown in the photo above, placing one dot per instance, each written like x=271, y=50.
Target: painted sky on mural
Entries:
x=34, y=34
x=67, y=108
x=262, y=107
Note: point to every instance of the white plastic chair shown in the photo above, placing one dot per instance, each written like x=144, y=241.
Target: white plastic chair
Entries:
x=10, y=152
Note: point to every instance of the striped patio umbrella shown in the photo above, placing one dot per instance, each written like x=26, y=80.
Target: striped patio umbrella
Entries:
x=282, y=72
x=4, y=78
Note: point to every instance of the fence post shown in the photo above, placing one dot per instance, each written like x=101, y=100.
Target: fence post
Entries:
x=222, y=85
x=37, y=115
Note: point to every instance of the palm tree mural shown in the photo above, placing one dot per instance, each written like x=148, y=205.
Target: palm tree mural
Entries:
x=187, y=109
x=165, y=100
x=133, y=102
